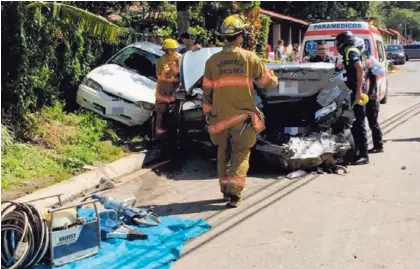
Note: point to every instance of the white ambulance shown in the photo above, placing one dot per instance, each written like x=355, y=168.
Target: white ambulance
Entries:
x=327, y=31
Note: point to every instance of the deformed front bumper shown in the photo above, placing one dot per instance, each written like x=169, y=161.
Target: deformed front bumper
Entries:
x=302, y=153
x=112, y=107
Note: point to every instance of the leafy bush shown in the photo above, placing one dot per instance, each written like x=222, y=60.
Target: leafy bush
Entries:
x=62, y=144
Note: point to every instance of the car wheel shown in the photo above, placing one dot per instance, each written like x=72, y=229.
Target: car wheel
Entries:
x=385, y=99
x=406, y=58
x=350, y=155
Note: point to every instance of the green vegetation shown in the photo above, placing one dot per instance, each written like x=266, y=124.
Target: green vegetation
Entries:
x=61, y=143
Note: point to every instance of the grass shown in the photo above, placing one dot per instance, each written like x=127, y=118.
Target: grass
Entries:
x=61, y=144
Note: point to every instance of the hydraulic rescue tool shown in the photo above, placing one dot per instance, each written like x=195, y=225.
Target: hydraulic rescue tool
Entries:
x=27, y=235
x=112, y=228
x=127, y=212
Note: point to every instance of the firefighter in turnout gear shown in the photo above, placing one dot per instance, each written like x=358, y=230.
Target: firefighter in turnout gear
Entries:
x=228, y=105
x=167, y=69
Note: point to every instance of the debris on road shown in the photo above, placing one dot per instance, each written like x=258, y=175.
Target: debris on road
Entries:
x=296, y=174
x=403, y=168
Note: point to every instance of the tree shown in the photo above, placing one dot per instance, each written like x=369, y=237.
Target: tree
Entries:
x=94, y=24
x=183, y=16
x=319, y=10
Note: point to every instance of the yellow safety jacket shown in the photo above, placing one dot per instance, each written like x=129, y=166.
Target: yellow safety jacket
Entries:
x=228, y=88
x=167, y=69
x=347, y=52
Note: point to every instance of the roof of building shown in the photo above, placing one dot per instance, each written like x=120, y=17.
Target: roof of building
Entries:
x=283, y=17
x=385, y=31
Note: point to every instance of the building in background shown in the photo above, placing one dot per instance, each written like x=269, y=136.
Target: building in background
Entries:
x=286, y=28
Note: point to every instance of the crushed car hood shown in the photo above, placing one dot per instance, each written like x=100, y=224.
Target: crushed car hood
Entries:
x=123, y=82
x=296, y=79
x=193, y=65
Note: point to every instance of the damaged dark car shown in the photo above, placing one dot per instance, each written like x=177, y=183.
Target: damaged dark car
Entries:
x=308, y=116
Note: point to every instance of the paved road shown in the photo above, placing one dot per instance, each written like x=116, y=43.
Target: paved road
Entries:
x=369, y=218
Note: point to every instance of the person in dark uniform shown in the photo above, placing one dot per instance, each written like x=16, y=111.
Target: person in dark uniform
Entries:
x=189, y=42
x=372, y=110
x=352, y=60
x=322, y=55
x=372, y=107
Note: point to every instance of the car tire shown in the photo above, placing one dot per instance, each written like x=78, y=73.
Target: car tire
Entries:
x=350, y=155
x=406, y=58
x=385, y=99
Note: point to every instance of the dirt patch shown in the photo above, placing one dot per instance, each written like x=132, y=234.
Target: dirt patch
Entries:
x=53, y=135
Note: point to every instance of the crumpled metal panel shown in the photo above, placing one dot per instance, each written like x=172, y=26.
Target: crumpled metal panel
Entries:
x=304, y=152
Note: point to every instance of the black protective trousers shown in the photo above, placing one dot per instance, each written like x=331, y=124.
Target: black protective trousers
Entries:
x=372, y=112
x=359, y=129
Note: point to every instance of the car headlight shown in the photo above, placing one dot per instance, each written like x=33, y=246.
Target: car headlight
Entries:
x=92, y=84
x=401, y=54
x=145, y=105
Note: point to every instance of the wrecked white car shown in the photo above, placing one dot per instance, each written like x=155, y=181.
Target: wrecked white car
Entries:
x=308, y=117
x=123, y=89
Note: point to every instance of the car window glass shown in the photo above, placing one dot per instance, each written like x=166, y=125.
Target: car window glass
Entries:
x=310, y=47
x=393, y=47
x=140, y=61
x=380, y=50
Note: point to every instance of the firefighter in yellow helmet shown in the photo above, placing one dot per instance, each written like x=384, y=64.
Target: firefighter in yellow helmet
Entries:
x=167, y=69
x=228, y=104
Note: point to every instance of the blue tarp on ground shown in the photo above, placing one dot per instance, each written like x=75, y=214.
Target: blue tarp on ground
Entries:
x=157, y=252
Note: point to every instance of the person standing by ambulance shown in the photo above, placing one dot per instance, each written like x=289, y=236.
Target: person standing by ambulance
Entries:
x=352, y=60
x=228, y=105
x=372, y=107
x=167, y=69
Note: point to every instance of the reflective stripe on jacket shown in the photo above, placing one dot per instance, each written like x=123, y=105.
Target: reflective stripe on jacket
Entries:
x=167, y=70
x=228, y=88
x=347, y=52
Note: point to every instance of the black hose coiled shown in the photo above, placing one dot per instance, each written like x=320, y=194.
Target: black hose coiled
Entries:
x=24, y=236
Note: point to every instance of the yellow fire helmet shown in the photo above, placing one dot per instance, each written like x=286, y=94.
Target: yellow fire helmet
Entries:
x=232, y=26
x=365, y=99
x=170, y=43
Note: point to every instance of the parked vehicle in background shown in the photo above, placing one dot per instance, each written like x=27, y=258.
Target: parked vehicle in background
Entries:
x=412, y=51
x=395, y=53
x=327, y=31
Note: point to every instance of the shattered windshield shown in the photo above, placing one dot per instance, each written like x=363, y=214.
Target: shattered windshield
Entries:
x=137, y=60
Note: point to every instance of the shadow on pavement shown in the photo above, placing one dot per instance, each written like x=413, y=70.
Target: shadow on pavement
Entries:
x=190, y=207
x=405, y=94
x=415, y=139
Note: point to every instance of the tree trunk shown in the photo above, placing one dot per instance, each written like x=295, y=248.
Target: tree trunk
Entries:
x=183, y=17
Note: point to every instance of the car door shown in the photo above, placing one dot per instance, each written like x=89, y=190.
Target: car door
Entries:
x=409, y=51
x=381, y=82
x=416, y=51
